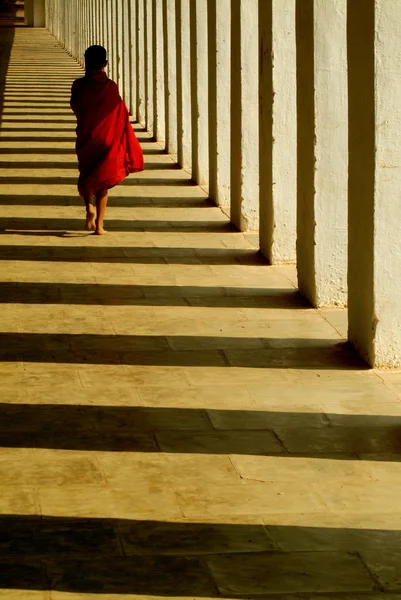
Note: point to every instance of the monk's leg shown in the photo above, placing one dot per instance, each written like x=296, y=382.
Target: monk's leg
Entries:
x=90, y=212
x=101, y=203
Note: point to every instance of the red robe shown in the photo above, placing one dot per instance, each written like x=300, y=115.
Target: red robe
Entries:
x=107, y=147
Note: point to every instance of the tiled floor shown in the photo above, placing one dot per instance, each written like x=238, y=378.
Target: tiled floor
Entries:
x=174, y=420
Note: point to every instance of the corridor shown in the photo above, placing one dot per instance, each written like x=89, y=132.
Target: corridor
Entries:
x=175, y=421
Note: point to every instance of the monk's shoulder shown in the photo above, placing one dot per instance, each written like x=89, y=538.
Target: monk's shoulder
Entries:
x=112, y=87
x=77, y=83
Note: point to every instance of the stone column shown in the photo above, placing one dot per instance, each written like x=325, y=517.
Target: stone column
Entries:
x=184, y=139
x=375, y=180
x=115, y=39
x=322, y=150
x=170, y=69
x=277, y=130
x=244, y=115
x=110, y=37
x=102, y=30
x=133, y=35
x=149, y=81
x=127, y=67
x=35, y=13
x=98, y=30
x=158, y=72
x=199, y=92
x=219, y=57
x=105, y=25
x=120, y=46
x=140, y=62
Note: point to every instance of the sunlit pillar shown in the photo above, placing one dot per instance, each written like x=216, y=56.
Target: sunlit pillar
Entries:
x=184, y=125
x=322, y=150
x=158, y=72
x=149, y=80
x=244, y=115
x=140, y=62
x=120, y=46
x=134, y=76
x=375, y=180
x=277, y=130
x=219, y=58
x=127, y=66
x=199, y=92
x=170, y=70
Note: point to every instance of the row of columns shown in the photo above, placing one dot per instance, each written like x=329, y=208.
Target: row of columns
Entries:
x=288, y=113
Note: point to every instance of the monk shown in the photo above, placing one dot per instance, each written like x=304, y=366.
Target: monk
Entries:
x=107, y=148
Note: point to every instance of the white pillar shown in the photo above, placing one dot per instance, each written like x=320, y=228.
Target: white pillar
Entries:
x=244, y=115
x=149, y=80
x=199, y=92
x=140, y=63
x=102, y=29
x=133, y=79
x=375, y=180
x=105, y=25
x=120, y=46
x=184, y=125
x=278, y=130
x=322, y=151
x=158, y=72
x=35, y=13
x=127, y=66
x=219, y=33
x=170, y=69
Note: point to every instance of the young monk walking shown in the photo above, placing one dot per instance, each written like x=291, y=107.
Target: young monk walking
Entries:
x=107, y=148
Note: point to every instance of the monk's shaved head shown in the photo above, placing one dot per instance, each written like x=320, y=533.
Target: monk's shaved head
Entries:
x=95, y=58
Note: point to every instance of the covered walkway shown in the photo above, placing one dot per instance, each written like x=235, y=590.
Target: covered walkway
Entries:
x=175, y=421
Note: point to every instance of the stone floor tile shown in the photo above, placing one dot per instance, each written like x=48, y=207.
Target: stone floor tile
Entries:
x=132, y=375
x=103, y=394
x=249, y=499
x=19, y=501
x=347, y=539
x=144, y=576
x=138, y=500
x=257, y=419
x=23, y=574
x=288, y=468
x=198, y=469
x=167, y=470
x=37, y=538
x=302, y=572
x=342, y=392
x=385, y=565
x=24, y=595
x=351, y=440
x=188, y=539
x=219, y=442
x=338, y=318
x=234, y=397
x=354, y=495
x=45, y=467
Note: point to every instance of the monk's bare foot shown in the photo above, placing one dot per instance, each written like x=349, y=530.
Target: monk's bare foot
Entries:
x=100, y=231
x=90, y=224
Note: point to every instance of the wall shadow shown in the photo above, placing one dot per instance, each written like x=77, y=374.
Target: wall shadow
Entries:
x=32, y=224
x=115, y=201
x=7, y=35
x=179, y=351
x=141, y=429
x=191, y=559
x=55, y=181
x=147, y=295
x=136, y=254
